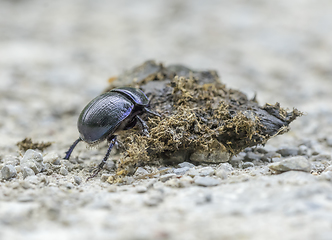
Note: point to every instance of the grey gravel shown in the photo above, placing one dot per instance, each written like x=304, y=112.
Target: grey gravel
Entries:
x=27, y=172
x=236, y=161
x=297, y=163
x=57, y=56
x=304, y=150
x=186, y=164
x=34, y=160
x=63, y=171
x=141, y=171
x=141, y=189
x=271, y=155
x=247, y=165
x=207, y=181
x=322, y=157
x=10, y=160
x=77, y=180
x=51, y=157
x=8, y=171
x=251, y=156
x=69, y=186
x=104, y=177
x=221, y=173
x=32, y=179
x=110, y=165
x=166, y=177
x=181, y=171
x=206, y=171
x=153, y=199
x=288, y=151
x=329, y=141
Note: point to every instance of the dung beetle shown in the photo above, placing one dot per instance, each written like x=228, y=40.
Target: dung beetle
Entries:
x=110, y=112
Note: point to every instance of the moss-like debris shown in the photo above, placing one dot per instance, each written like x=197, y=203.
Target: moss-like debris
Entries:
x=27, y=143
x=200, y=117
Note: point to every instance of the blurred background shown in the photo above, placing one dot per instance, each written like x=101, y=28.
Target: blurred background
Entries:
x=55, y=56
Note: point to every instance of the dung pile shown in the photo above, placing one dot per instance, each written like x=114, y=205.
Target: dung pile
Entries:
x=202, y=120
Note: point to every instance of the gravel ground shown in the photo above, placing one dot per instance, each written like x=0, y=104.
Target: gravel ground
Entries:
x=56, y=56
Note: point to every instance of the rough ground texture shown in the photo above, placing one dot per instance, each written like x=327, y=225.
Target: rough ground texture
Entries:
x=57, y=56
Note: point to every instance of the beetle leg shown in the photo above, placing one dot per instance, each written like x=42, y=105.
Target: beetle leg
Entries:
x=68, y=153
x=101, y=165
x=151, y=112
x=142, y=125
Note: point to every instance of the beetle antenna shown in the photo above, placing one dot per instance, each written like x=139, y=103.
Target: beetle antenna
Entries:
x=101, y=165
x=70, y=150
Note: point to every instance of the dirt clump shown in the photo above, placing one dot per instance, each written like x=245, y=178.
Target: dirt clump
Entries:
x=27, y=143
x=202, y=120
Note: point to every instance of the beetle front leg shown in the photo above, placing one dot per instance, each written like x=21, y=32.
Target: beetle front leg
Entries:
x=101, y=165
x=151, y=112
x=70, y=150
x=143, y=126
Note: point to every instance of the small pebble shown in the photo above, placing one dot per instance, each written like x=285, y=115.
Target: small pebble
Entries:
x=44, y=179
x=174, y=182
x=251, y=156
x=11, y=160
x=34, y=160
x=329, y=141
x=104, y=177
x=203, y=198
x=298, y=163
x=326, y=176
x=141, y=171
x=304, y=150
x=262, y=150
x=69, y=186
x=185, y=181
x=33, y=155
x=32, y=179
x=8, y=171
x=27, y=172
x=186, y=164
x=141, y=189
x=112, y=188
x=222, y=174
x=236, y=161
x=153, y=199
x=225, y=166
x=206, y=171
x=288, y=151
x=25, y=198
x=77, y=180
x=270, y=155
x=166, y=177
x=150, y=183
x=192, y=172
x=25, y=185
x=51, y=157
x=63, y=171
x=207, y=181
x=109, y=165
x=322, y=157
x=247, y=165
x=316, y=149
x=18, y=168
x=181, y=171
x=66, y=164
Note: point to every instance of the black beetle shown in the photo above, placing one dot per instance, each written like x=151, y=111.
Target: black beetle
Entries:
x=116, y=110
